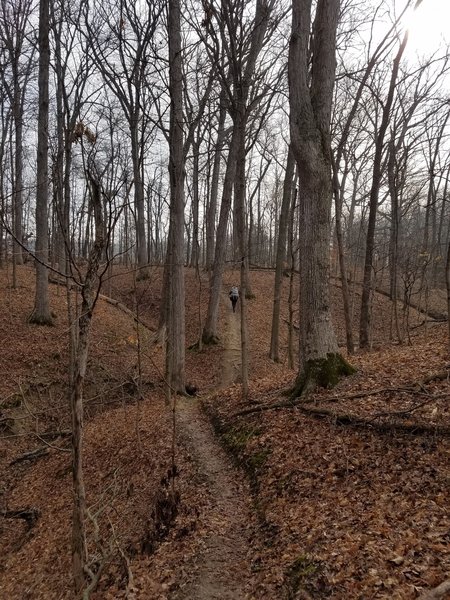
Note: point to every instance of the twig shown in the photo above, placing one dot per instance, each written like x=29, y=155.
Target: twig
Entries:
x=130, y=589
x=36, y=433
x=52, y=445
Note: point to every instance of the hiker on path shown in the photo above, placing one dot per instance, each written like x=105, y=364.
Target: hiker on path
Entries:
x=234, y=297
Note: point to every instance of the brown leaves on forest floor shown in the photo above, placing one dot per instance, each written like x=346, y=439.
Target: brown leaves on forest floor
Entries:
x=344, y=512
x=350, y=512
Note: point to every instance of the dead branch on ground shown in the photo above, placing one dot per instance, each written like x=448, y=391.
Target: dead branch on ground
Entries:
x=32, y=455
x=30, y=515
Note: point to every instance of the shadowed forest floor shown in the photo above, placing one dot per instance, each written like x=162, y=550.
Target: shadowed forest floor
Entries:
x=344, y=498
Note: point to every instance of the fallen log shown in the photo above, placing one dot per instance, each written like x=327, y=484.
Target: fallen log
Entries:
x=29, y=514
x=384, y=426
x=116, y=303
x=33, y=455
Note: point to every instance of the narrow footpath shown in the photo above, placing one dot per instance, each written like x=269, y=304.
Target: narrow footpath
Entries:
x=223, y=567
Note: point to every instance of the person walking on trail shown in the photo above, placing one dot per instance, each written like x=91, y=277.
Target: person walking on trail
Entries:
x=234, y=297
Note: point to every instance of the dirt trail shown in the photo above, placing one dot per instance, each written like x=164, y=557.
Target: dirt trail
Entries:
x=231, y=340
x=223, y=567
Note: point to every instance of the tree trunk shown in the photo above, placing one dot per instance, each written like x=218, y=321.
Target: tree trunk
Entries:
x=18, y=172
x=212, y=205
x=338, y=190
x=240, y=113
x=139, y=200
x=281, y=256
x=210, y=329
x=364, y=324
x=89, y=293
x=241, y=237
x=41, y=312
x=320, y=362
x=195, y=248
x=175, y=349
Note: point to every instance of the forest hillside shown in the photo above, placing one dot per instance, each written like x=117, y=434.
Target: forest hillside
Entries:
x=343, y=497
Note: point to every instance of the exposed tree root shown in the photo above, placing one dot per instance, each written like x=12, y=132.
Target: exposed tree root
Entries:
x=35, y=319
x=348, y=419
x=414, y=388
x=209, y=339
x=291, y=403
x=303, y=402
x=321, y=372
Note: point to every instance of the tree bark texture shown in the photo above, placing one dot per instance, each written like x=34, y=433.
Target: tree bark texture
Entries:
x=41, y=312
x=281, y=256
x=364, y=324
x=320, y=361
x=175, y=349
x=89, y=293
x=212, y=205
x=242, y=78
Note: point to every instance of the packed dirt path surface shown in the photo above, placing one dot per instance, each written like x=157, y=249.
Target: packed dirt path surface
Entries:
x=222, y=567
x=231, y=340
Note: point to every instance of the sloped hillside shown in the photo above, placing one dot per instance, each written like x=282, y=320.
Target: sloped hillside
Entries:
x=345, y=497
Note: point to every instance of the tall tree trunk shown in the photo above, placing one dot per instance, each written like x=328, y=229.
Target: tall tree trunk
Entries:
x=18, y=171
x=175, y=349
x=195, y=250
x=320, y=361
x=210, y=328
x=240, y=220
x=240, y=113
x=274, y=352
x=241, y=236
x=338, y=190
x=139, y=199
x=41, y=312
x=212, y=204
x=364, y=324
x=393, y=239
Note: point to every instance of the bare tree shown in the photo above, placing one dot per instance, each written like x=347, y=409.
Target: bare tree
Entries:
x=90, y=289
x=121, y=44
x=281, y=255
x=41, y=313
x=364, y=325
x=14, y=26
x=243, y=41
x=310, y=102
x=175, y=349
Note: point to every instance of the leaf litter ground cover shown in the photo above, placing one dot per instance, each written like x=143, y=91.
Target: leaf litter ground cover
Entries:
x=339, y=511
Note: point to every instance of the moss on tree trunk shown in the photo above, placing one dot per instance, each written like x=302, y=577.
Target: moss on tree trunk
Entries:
x=321, y=372
x=37, y=319
x=209, y=339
